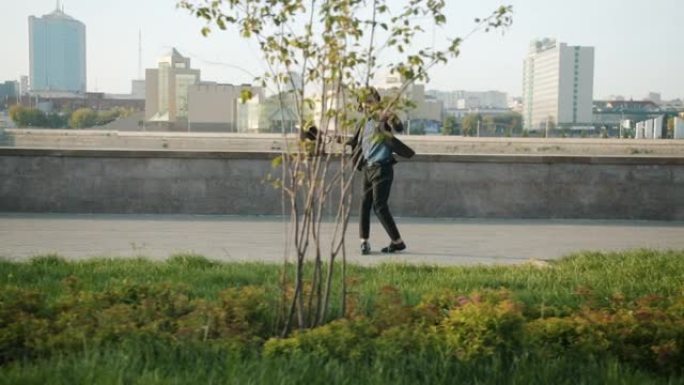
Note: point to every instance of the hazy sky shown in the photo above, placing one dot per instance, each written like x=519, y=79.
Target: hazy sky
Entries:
x=639, y=45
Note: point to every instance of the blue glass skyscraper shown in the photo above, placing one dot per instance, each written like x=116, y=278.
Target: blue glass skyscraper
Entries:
x=57, y=53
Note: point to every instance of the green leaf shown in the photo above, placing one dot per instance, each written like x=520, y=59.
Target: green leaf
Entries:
x=245, y=95
x=277, y=161
x=221, y=24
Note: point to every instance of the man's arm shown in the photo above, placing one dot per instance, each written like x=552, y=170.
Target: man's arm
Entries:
x=394, y=123
x=354, y=140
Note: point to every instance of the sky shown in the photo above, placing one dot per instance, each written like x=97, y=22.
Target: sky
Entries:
x=639, y=45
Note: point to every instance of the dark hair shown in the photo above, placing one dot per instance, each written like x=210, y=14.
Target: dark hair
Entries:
x=372, y=93
x=309, y=132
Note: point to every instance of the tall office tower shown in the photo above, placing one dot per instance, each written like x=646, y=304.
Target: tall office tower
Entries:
x=57, y=53
x=558, y=85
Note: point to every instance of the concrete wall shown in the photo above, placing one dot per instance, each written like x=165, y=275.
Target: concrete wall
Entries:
x=211, y=127
x=491, y=186
x=243, y=142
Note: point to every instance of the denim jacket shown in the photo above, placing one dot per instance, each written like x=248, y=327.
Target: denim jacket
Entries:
x=387, y=129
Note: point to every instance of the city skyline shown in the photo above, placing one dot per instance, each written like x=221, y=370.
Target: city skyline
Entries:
x=634, y=45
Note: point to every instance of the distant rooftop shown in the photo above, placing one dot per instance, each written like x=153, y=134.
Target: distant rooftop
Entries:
x=541, y=45
x=545, y=44
x=625, y=105
x=58, y=13
x=175, y=59
x=173, y=54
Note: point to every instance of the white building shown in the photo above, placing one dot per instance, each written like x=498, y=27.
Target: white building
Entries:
x=654, y=97
x=651, y=128
x=678, y=128
x=138, y=89
x=166, y=96
x=516, y=104
x=425, y=108
x=214, y=107
x=23, y=85
x=464, y=100
x=249, y=115
x=558, y=85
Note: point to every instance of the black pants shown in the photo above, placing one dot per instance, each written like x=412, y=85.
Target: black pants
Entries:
x=377, y=182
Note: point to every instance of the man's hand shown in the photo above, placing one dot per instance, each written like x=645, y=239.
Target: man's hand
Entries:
x=393, y=121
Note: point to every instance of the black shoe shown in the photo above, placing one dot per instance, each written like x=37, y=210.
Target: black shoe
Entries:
x=365, y=248
x=393, y=247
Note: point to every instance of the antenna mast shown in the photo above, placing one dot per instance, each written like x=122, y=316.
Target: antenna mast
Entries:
x=139, y=53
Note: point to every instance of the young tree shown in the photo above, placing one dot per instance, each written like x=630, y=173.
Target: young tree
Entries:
x=321, y=57
x=83, y=118
x=449, y=125
x=105, y=117
x=55, y=120
x=15, y=113
x=514, y=123
x=27, y=117
x=418, y=127
x=469, y=124
x=489, y=124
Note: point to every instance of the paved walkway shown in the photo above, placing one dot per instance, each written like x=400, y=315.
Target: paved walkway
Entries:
x=228, y=238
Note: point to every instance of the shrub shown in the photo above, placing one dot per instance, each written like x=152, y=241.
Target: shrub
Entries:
x=24, y=323
x=483, y=325
x=191, y=261
x=30, y=326
x=341, y=339
x=402, y=340
x=647, y=333
x=389, y=309
x=644, y=333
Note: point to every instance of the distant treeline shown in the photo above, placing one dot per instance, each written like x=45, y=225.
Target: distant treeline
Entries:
x=509, y=123
x=80, y=118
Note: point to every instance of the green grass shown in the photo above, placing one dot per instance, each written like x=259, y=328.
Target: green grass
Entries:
x=203, y=278
x=145, y=365
x=560, y=288
x=632, y=273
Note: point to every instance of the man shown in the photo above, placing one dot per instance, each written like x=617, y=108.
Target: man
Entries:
x=372, y=148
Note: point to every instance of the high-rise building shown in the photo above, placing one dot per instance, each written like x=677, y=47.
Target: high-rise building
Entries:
x=166, y=95
x=558, y=85
x=23, y=85
x=9, y=89
x=57, y=53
